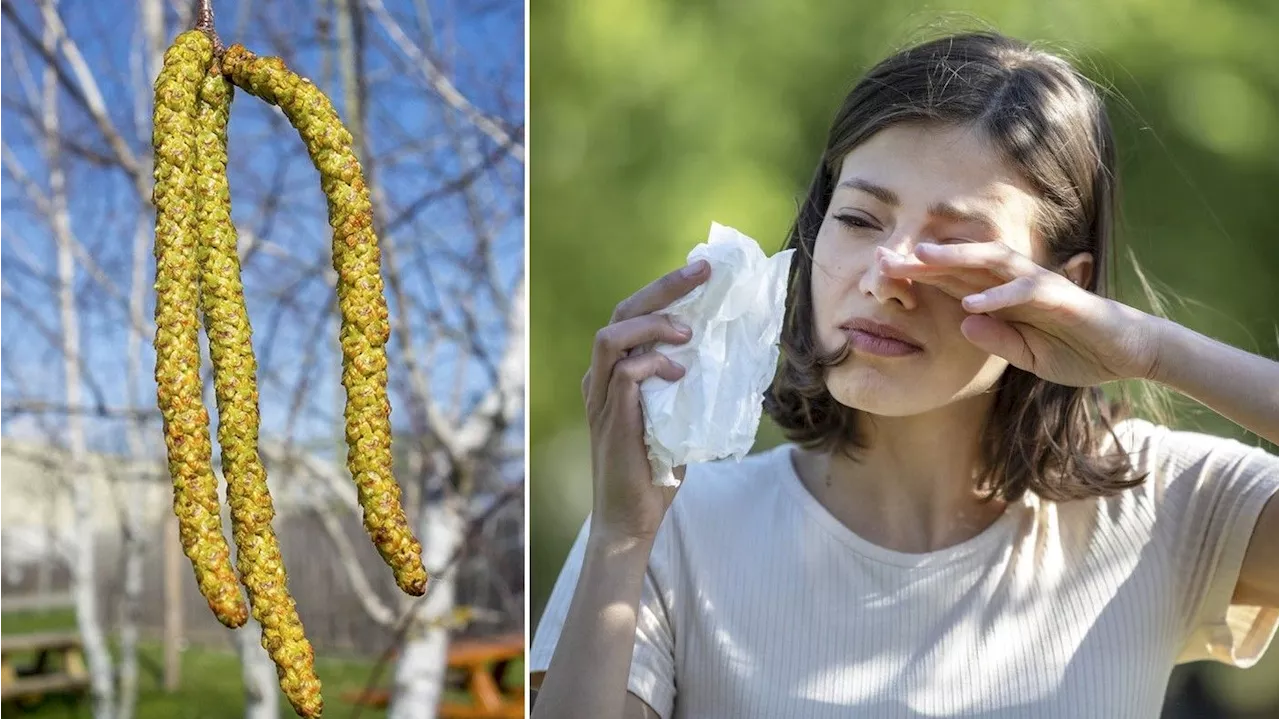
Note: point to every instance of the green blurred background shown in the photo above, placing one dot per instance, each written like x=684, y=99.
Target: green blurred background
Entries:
x=652, y=118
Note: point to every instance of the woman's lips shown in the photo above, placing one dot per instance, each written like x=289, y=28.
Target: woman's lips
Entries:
x=873, y=344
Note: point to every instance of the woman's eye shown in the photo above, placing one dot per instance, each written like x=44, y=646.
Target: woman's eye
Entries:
x=855, y=222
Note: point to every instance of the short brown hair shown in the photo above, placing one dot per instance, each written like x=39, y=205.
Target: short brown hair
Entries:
x=1052, y=126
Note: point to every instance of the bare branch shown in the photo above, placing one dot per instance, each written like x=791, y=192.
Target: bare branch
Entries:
x=85, y=92
x=410, y=211
x=204, y=23
x=53, y=337
x=38, y=407
x=500, y=407
x=373, y=605
x=441, y=84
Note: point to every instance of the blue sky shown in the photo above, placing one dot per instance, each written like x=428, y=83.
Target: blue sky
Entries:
x=482, y=46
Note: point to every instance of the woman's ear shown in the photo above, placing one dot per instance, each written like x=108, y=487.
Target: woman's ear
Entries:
x=1079, y=269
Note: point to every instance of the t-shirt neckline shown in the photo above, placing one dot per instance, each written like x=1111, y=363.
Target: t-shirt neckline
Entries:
x=998, y=532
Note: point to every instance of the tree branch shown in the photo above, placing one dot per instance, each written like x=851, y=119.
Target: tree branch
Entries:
x=85, y=92
x=39, y=407
x=373, y=605
x=441, y=84
x=204, y=23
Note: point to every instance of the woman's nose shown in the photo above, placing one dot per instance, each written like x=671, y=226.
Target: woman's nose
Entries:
x=883, y=288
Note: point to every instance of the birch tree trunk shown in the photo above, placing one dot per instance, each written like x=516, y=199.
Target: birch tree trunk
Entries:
x=134, y=544
x=83, y=577
x=259, y=674
x=151, y=14
x=420, y=671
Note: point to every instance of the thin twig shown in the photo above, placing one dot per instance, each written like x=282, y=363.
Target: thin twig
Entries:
x=204, y=23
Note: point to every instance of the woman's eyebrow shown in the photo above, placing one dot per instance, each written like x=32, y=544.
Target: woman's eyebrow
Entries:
x=883, y=194
x=950, y=212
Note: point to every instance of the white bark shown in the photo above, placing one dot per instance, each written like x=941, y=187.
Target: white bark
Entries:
x=151, y=14
x=257, y=671
x=134, y=543
x=83, y=585
x=420, y=671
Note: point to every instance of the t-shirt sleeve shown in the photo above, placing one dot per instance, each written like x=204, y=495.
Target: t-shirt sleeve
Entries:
x=1210, y=493
x=652, y=676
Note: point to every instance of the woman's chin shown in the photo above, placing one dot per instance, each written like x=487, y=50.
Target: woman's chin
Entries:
x=869, y=390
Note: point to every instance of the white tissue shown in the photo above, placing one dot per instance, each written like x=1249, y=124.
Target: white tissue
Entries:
x=736, y=316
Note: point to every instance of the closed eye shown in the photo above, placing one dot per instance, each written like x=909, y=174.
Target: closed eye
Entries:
x=855, y=222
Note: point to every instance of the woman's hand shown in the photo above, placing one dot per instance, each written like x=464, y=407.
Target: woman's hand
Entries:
x=1038, y=320
x=626, y=504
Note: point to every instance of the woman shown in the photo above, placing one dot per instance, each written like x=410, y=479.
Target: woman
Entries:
x=961, y=526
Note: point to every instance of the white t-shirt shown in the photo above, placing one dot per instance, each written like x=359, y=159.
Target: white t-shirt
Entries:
x=759, y=604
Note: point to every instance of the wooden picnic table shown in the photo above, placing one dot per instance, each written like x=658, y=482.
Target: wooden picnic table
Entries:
x=59, y=666
x=484, y=661
x=481, y=664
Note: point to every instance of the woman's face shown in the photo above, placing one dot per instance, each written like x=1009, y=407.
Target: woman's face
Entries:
x=907, y=185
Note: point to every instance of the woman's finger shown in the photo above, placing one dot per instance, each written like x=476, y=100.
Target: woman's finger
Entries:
x=996, y=257
x=957, y=283
x=663, y=291
x=614, y=341
x=624, y=384
x=1018, y=292
x=999, y=338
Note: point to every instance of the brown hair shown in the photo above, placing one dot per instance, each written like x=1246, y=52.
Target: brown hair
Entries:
x=1053, y=127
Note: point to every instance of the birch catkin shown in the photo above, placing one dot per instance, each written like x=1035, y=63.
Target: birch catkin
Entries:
x=235, y=385
x=365, y=328
x=198, y=270
x=177, y=343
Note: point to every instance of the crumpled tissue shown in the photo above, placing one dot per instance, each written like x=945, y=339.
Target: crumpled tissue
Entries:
x=713, y=411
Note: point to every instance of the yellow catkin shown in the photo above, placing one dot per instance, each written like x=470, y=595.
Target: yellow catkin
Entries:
x=177, y=341
x=235, y=385
x=365, y=328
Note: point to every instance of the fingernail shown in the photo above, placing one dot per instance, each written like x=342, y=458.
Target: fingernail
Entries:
x=682, y=328
x=975, y=300
x=693, y=270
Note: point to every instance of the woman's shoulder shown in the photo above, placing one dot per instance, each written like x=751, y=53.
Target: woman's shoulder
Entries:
x=1162, y=452
x=1177, y=469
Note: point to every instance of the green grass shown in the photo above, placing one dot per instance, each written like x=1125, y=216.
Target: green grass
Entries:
x=211, y=686
x=38, y=621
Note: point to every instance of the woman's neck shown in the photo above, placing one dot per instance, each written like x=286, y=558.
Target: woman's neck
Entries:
x=912, y=489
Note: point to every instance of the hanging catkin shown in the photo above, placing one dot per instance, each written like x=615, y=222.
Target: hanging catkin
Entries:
x=235, y=384
x=177, y=341
x=365, y=328
x=198, y=270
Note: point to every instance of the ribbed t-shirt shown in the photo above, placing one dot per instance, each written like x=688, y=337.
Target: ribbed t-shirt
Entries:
x=758, y=603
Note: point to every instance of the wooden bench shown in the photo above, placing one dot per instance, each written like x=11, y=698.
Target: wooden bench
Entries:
x=483, y=662
x=67, y=675
x=479, y=664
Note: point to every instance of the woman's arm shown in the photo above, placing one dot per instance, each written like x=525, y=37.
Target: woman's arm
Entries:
x=1044, y=323
x=587, y=676
x=1244, y=388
